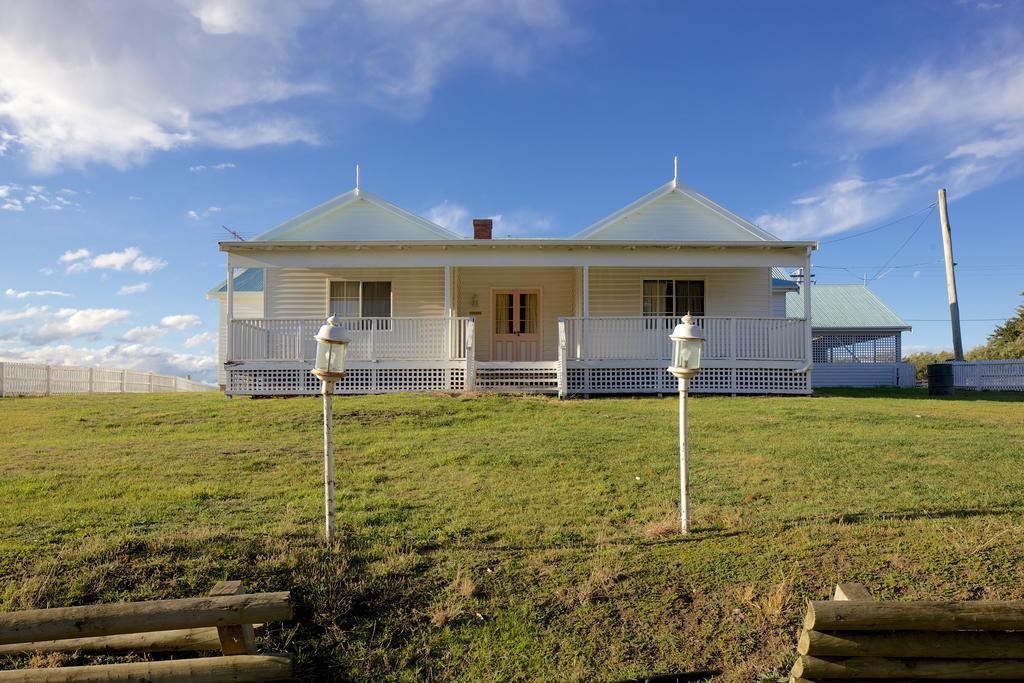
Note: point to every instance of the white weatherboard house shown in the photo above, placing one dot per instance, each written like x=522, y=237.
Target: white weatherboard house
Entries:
x=431, y=310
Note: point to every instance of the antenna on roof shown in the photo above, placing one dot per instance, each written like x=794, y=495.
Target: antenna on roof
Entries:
x=675, y=171
x=357, y=178
x=233, y=233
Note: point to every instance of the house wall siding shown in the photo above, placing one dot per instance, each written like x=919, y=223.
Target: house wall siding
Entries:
x=302, y=293
x=558, y=294
x=743, y=292
x=247, y=305
x=778, y=304
x=673, y=217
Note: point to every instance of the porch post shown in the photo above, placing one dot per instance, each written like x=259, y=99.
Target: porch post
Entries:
x=448, y=309
x=562, y=349
x=586, y=309
x=808, y=348
x=470, y=354
x=229, y=313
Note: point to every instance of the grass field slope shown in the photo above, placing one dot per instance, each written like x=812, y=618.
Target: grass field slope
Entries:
x=505, y=538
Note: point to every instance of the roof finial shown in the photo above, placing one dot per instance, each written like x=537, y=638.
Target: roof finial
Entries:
x=675, y=171
x=357, y=178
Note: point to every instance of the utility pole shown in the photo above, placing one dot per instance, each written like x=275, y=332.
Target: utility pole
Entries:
x=954, y=307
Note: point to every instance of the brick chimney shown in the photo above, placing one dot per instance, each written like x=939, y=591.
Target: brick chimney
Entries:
x=482, y=228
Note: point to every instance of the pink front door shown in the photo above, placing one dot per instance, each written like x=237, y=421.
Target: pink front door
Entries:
x=516, y=325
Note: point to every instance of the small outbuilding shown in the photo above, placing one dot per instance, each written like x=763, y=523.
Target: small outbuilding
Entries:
x=856, y=338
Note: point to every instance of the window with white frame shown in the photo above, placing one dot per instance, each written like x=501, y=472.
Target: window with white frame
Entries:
x=673, y=298
x=357, y=299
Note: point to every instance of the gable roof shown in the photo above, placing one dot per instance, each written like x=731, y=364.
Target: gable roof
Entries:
x=248, y=280
x=357, y=215
x=845, y=307
x=675, y=212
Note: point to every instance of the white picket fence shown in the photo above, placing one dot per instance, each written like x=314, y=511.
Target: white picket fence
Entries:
x=28, y=379
x=990, y=375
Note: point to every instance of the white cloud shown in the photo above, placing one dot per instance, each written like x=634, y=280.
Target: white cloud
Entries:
x=130, y=356
x=133, y=289
x=71, y=323
x=196, y=215
x=5, y=141
x=112, y=83
x=144, y=334
x=968, y=114
x=148, y=264
x=180, y=322
x=82, y=260
x=200, y=339
x=17, y=198
x=455, y=217
x=224, y=166
x=26, y=313
x=134, y=198
x=846, y=203
x=13, y=293
x=75, y=255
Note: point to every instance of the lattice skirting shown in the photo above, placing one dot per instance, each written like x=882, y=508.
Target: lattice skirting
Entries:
x=299, y=381
x=650, y=380
x=540, y=380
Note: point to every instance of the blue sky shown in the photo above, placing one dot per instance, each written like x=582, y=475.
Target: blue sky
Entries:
x=133, y=131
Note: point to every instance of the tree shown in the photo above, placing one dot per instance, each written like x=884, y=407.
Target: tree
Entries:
x=923, y=359
x=1006, y=341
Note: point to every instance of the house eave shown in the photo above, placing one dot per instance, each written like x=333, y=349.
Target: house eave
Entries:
x=566, y=244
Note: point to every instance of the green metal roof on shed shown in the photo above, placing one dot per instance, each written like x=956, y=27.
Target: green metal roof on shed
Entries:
x=249, y=280
x=845, y=307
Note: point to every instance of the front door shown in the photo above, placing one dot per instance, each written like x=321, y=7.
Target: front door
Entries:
x=516, y=325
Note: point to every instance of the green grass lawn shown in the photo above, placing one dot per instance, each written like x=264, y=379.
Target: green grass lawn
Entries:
x=516, y=538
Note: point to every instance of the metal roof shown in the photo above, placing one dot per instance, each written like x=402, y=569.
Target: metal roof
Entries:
x=249, y=280
x=782, y=280
x=845, y=307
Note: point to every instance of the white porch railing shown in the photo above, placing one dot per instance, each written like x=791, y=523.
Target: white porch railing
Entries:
x=647, y=338
x=292, y=339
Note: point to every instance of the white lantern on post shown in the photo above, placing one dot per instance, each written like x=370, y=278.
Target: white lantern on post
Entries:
x=331, y=346
x=687, y=340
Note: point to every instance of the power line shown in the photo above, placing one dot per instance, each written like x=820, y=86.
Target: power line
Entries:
x=946, y=320
x=880, y=227
x=905, y=242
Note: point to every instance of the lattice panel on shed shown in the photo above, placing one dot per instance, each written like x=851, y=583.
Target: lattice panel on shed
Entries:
x=856, y=348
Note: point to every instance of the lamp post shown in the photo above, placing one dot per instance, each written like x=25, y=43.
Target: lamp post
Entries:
x=331, y=344
x=687, y=339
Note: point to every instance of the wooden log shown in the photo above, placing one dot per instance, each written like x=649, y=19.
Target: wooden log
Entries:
x=924, y=644
x=815, y=668
x=141, y=617
x=201, y=670
x=851, y=591
x=237, y=639
x=839, y=615
x=180, y=640
x=890, y=680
